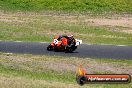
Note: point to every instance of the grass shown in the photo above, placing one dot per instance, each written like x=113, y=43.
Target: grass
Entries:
x=55, y=71
x=15, y=82
x=68, y=6
x=128, y=62
x=51, y=75
x=39, y=21
x=42, y=28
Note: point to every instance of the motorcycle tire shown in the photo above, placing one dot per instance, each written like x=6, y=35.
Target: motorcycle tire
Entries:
x=50, y=48
x=68, y=50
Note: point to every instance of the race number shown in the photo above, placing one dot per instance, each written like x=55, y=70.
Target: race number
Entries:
x=55, y=41
x=78, y=42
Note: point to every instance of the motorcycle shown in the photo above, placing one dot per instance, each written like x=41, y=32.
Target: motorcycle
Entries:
x=63, y=45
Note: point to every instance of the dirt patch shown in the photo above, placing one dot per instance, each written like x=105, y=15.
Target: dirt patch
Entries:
x=10, y=19
x=129, y=31
x=124, y=22
x=21, y=82
x=84, y=20
x=111, y=22
x=115, y=68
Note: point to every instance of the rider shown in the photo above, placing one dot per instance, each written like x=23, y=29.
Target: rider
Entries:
x=66, y=39
x=70, y=39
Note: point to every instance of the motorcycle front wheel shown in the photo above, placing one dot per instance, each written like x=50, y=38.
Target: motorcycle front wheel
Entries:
x=50, y=48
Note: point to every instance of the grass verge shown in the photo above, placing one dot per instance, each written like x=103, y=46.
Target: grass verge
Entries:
x=68, y=6
x=55, y=71
x=42, y=28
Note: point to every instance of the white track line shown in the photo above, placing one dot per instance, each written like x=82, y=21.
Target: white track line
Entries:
x=107, y=44
x=9, y=53
x=42, y=42
x=113, y=45
x=18, y=41
x=35, y=42
x=121, y=45
x=82, y=43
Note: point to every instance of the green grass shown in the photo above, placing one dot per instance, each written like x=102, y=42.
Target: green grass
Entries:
x=121, y=62
x=25, y=70
x=21, y=33
x=44, y=28
x=48, y=75
x=68, y=5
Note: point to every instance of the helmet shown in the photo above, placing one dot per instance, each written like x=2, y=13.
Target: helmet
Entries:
x=70, y=35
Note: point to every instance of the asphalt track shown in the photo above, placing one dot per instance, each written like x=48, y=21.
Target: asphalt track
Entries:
x=84, y=51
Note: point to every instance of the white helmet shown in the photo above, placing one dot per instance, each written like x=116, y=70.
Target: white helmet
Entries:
x=70, y=35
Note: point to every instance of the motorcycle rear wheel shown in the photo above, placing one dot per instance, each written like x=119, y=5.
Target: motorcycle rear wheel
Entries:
x=70, y=49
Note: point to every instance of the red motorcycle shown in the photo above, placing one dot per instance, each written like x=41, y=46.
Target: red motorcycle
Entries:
x=64, y=43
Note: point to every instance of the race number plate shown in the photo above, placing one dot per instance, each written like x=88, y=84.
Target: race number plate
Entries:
x=56, y=41
x=78, y=42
